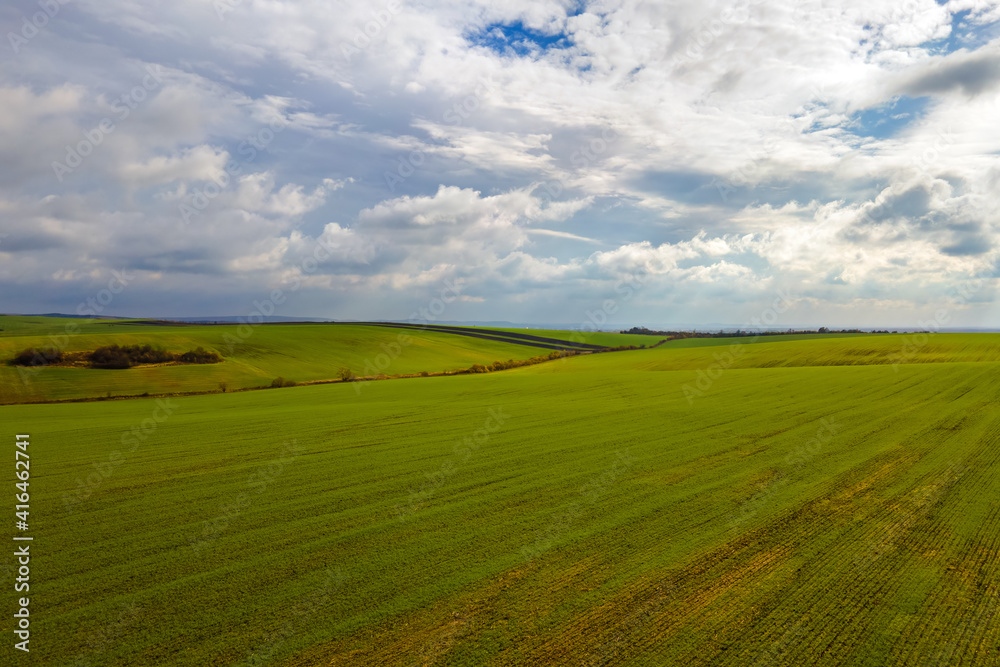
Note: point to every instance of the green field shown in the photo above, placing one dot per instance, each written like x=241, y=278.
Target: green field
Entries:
x=815, y=501
x=254, y=355
x=597, y=337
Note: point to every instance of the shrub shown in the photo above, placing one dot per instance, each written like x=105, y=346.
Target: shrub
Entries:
x=199, y=355
x=282, y=382
x=126, y=356
x=147, y=354
x=111, y=356
x=38, y=357
x=346, y=374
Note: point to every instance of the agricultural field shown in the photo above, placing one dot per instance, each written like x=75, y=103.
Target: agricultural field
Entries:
x=826, y=501
x=609, y=339
x=253, y=355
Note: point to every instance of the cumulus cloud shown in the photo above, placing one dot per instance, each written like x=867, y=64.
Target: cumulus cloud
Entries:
x=537, y=152
x=201, y=163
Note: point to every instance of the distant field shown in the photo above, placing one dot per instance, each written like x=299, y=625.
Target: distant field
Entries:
x=254, y=356
x=812, y=506
x=609, y=339
x=773, y=338
x=886, y=350
x=889, y=349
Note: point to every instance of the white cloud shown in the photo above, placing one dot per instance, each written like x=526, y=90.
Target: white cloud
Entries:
x=729, y=145
x=201, y=163
x=256, y=193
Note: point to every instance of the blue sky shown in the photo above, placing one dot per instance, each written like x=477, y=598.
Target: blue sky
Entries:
x=360, y=157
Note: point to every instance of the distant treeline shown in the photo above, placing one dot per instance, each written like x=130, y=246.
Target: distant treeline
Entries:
x=675, y=335
x=115, y=356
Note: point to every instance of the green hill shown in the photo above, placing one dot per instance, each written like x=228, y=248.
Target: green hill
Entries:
x=253, y=355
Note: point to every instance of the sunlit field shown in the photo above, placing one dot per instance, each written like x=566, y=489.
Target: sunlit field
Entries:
x=813, y=501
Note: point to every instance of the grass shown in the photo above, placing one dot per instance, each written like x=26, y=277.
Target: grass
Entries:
x=608, y=339
x=885, y=350
x=254, y=356
x=812, y=506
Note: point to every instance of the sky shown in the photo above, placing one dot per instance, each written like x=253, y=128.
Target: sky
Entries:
x=810, y=163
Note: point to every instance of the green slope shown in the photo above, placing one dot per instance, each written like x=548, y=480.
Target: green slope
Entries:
x=254, y=356
x=778, y=351
x=815, y=514
x=608, y=339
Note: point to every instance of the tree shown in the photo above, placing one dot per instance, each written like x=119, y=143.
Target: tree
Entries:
x=199, y=355
x=111, y=356
x=38, y=357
